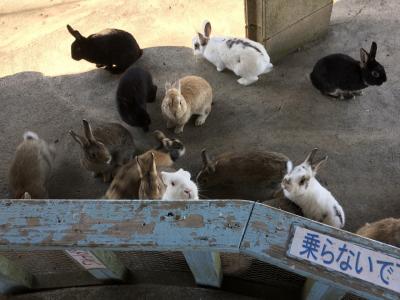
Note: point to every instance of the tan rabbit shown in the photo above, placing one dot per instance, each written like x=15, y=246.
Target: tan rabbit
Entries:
x=151, y=185
x=31, y=168
x=386, y=231
x=128, y=178
x=190, y=95
x=105, y=148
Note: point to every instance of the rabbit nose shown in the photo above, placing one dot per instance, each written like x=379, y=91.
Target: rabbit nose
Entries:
x=187, y=192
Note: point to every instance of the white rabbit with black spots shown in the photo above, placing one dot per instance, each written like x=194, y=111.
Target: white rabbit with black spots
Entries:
x=246, y=58
x=317, y=203
x=179, y=186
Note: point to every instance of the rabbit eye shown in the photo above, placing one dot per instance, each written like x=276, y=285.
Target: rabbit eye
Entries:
x=302, y=181
x=375, y=74
x=173, y=183
x=196, y=46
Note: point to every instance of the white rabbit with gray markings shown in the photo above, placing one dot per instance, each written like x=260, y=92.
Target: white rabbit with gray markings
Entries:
x=317, y=203
x=246, y=58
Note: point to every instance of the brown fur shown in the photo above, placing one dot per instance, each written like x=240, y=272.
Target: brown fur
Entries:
x=386, y=231
x=127, y=180
x=31, y=169
x=254, y=175
x=195, y=95
x=151, y=185
x=285, y=204
x=107, y=141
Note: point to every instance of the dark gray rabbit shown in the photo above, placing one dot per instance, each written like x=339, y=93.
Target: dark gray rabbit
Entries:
x=113, y=49
x=340, y=76
x=135, y=89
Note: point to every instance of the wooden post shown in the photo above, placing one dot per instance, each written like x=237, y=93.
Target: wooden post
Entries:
x=103, y=265
x=317, y=290
x=205, y=266
x=13, y=278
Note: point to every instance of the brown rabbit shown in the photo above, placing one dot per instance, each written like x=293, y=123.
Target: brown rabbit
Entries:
x=127, y=180
x=190, y=95
x=254, y=175
x=31, y=168
x=151, y=186
x=104, y=149
x=386, y=231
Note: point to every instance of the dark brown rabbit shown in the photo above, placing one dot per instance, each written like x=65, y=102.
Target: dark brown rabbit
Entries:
x=254, y=175
x=105, y=148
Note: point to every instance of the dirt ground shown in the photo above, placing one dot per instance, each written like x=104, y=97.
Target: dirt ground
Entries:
x=44, y=90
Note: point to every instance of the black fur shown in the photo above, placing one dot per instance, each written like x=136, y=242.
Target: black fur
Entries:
x=135, y=89
x=341, y=72
x=113, y=49
x=232, y=42
x=338, y=214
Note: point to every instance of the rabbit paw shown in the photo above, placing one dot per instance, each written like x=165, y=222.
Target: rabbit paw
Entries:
x=247, y=81
x=178, y=129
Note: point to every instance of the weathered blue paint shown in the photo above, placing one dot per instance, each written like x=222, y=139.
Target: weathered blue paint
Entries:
x=230, y=226
x=316, y=290
x=267, y=238
x=205, y=266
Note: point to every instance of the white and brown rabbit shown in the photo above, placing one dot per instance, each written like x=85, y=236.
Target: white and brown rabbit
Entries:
x=105, y=148
x=340, y=76
x=248, y=175
x=126, y=182
x=31, y=168
x=316, y=202
x=179, y=186
x=190, y=95
x=246, y=58
x=151, y=186
x=113, y=49
x=386, y=231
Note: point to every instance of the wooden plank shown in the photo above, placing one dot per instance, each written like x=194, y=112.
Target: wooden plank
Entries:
x=124, y=224
x=205, y=267
x=316, y=290
x=103, y=265
x=13, y=278
x=267, y=238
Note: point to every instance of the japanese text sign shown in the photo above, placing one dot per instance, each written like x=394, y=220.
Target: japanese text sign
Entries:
x=346, y=258
x=86, y=259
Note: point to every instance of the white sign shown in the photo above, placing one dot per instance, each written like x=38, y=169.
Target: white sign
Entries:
x=86, y=259
x=346, y=258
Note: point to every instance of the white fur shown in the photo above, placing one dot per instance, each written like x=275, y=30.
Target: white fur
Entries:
x=179, y=186
x=245, y=62
x=30, y=135
x=316, y=202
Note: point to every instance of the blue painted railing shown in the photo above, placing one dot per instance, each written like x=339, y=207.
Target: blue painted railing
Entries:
x=188, y=226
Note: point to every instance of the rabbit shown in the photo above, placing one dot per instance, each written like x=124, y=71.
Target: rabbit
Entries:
x=251, y=175
x=126, y=182
x=190, y=95
x=246, y=58
x=105, y=148
x=151, y=185
x=179, y=186
x=316, y=202
x=135, y=89
x=31, y=168
x=386, y=231
x=113, y=49
x=340, y=76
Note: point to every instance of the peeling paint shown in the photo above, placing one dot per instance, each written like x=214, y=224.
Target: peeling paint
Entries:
x=192, y=221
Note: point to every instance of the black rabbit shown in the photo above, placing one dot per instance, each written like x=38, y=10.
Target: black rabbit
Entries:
x=113, y=49
x=340, y=76
x=135, y=89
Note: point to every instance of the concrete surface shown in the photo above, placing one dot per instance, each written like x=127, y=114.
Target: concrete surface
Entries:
x=42, y=89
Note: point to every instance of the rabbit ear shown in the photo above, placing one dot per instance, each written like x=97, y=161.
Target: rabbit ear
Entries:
x=372, y=52
x=139, y=167
x=27, y=196
x=74, y=33
x=310, y=156
x=88, y=131
x=79, y=139
x=153, y=167
x=315, y=166
x=168, y=86
x=207, y=29
x=203, y=39
x=364, y=57
x=208, y=164
x=178, y=85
